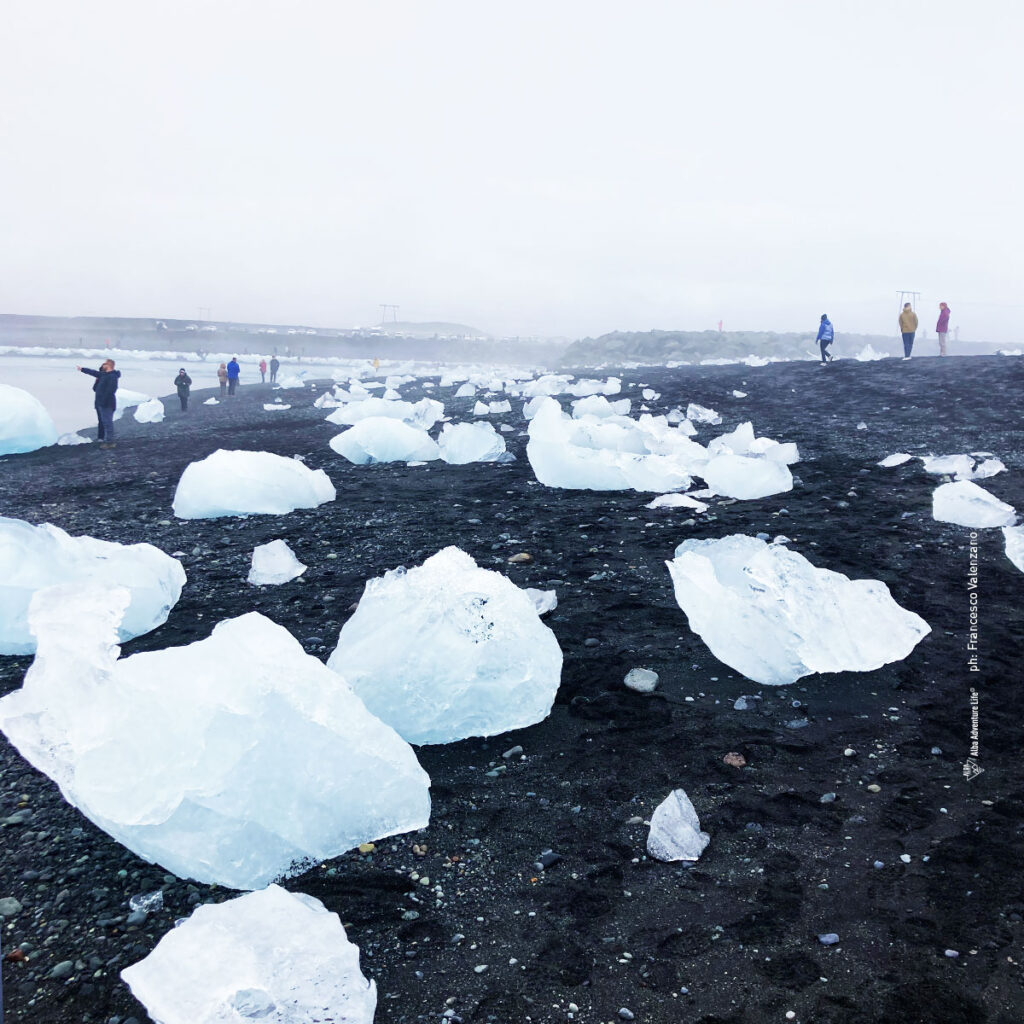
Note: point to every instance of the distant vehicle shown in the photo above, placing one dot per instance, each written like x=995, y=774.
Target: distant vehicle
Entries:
x=192, y=327
x=309, y=330
x=161, y=326
x=209, y=327
x=291, y=330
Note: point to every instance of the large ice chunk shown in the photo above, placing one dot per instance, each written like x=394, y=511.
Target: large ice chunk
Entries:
x=677, y=500
x=740, y=476
x=959, y=466
x=381, y=439
x=270, y=956
x=461, y=443
x=34, y=557
x=675, y=830
x=775, y=617
x=448, y=650
x=238, y=483
x=701, y=414
x=966, y=504
x=234, y=760
x=273, y=564
x=25, y=425
x=896, y=459
x=422, y=414
x=606, y=454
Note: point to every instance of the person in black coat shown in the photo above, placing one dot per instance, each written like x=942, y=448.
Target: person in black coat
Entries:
x=105, y=389
x=183, y=382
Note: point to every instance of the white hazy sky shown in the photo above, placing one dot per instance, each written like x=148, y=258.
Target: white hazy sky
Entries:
x=533, y=167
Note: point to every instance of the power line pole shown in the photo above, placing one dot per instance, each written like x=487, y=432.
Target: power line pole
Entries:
x=384, y=307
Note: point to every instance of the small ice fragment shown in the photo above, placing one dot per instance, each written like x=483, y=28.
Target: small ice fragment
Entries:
x=273, y=564
x=675, y=830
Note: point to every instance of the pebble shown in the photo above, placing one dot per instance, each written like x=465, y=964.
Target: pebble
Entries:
x=874, y=788
x=952, y=954
x=879, y=864
x=936, y=750
x=62, y=970
x=523, y=556
x=626, y=1014
x=480, y=968
x=367, y=847
x=734, y=759
x=136, y=917
x=827, y=798
x=828, y=939
x=849, y=752
x=641, y=680
x=591, y=642
x=905, y=857
x=9, y=907
x=512, y=752
x=410, y=915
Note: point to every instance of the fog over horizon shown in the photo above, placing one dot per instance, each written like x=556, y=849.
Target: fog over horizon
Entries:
x=545, y=170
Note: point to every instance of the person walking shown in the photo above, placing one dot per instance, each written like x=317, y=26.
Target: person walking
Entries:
x=183, y=382
x=275, y=365
x=222, y=376
x=263, y=371
x=105, y=389
x=908, y=328
x=233, y=371
x=942, y=327
x=826, y=335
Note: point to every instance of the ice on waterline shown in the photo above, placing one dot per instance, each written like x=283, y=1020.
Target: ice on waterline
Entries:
x=271, y=956
x=461, y=443
x=275, y=407
x=448, y=650
x=238, y=483
x=25, y=425
x=966, y=504
x=775, y=617
x=381, y=439
x=35, y=557
x=273, y=564
x=467, y=390
x=73, y=438
x=234, y=760
x=675, y=830
x=149, y=412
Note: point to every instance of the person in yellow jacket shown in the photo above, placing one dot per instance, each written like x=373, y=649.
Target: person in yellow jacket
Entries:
x=908, y=328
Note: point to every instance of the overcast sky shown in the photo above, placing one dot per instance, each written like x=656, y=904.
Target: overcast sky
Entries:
x=537, y=168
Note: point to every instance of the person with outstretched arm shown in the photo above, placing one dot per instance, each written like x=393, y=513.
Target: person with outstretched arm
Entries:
x=942, y=327
x=908, y=328
x=183, y=382
x=826, y=335
x=105, y=389
x=233, y=371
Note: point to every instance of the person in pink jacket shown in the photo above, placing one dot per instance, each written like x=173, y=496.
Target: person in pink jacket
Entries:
x=942, y=327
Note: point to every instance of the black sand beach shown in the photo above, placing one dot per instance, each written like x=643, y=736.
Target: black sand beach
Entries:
x=733, y=938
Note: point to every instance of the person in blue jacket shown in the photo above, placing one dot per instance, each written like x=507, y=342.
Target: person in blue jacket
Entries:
x=826, y=335
x=105, y=388
x=233, y=371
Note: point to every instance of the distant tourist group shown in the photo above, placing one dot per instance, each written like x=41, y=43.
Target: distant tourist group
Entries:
x=908, y=330
x=105, y=389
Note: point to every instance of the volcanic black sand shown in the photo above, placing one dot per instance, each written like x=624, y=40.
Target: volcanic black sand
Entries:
x=733, y=938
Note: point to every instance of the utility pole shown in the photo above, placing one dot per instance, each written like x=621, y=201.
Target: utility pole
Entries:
x=207, y=310
x=914, y=298
x=384, y=307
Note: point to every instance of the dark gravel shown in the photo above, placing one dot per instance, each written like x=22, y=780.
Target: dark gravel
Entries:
x=734, y=938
